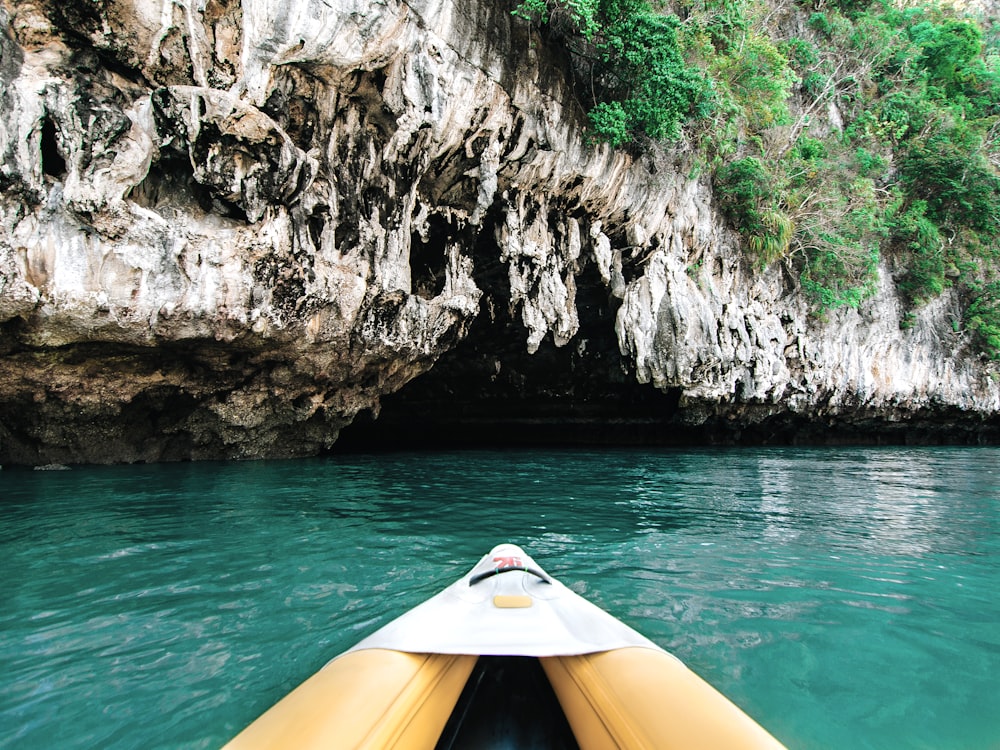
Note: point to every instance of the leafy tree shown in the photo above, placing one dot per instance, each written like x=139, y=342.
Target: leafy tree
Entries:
x=760, y=80
x=948, y=171
x=610, y=122
x=629, y=65
x=947, y=49
x=642, y=67
x=919, y=241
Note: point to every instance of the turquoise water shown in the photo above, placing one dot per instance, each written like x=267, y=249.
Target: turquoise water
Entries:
x=844, y=598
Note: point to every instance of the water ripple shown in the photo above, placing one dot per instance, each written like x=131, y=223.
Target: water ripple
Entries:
x=844, y=597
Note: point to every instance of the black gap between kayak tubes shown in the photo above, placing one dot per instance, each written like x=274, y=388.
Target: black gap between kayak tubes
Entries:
x=507, y=704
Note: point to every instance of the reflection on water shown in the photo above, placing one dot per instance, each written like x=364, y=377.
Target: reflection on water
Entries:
x=843, y=597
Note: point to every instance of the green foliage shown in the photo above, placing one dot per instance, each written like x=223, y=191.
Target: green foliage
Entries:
x=742, y=187
x=533, y=10
x=919, y=90
x=820, y=22
x=868, y=163
x=814, y=84
x=982, y=316
x=827, y=276
x=773, y=239
x=949, y=172
x=759, y=79
x=850, y=7
x=918, y=238
x=636, y=76
x=829, y=24
x=811, y=149
x=838, y=240
x=745, y=192
x=903, y=113
x=800, y=53
x=581, y=15
x=725, y=21
x=643, y=69
x=947, y=49
x=609, y=122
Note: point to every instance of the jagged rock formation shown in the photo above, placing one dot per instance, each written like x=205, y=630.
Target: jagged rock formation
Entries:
x=227, y=228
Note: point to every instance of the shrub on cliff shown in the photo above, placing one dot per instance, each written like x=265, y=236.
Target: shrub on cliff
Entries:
x=629, y=65
x=745, y=190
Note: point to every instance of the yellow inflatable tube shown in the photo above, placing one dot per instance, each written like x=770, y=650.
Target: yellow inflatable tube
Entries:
x=643, y=699
x=376, y=698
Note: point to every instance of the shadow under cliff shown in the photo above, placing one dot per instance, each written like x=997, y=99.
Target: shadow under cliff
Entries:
x=488, y=391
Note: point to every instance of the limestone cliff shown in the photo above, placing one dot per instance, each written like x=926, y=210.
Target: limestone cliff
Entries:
x=227, y=228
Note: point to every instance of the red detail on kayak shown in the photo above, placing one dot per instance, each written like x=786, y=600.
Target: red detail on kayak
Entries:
x=508, y=562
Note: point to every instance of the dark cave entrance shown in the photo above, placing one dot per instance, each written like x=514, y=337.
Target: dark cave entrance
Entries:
x=429, y=257
x=53, y=163
x=489, y=392
x=170, y=185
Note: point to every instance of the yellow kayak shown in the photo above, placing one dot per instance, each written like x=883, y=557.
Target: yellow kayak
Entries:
x=506, y=657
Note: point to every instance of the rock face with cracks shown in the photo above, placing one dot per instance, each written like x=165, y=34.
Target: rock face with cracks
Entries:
x=227, y=228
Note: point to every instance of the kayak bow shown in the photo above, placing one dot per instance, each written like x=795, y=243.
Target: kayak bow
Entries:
x=408, y=685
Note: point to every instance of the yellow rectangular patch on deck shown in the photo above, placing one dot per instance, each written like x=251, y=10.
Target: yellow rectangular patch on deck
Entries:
x=510, y=601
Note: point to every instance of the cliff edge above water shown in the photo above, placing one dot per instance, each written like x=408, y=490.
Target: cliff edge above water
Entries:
x=227, y=229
